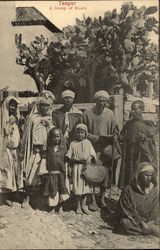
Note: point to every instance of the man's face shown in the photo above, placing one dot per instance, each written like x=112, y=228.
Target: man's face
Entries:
x=56, y=137
x=136, y=111
x=68, y=102
x=145, y=179
x=81, y=134
x=12, y=107
x=101, y=103
x=44, y=107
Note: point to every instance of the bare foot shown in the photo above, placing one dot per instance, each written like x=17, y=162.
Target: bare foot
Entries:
x=25, y=204
x=8, y=203
x=85, y=210
x=103, y=204
x=60, y=210
x=79, y=211
x=93, y=207
x=52, y=211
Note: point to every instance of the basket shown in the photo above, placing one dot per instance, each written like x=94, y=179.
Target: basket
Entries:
x=107, y=153
x=94, y=174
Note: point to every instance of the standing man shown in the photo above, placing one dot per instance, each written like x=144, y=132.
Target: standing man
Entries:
x=137, y=137
x=11, y=177
x=101, y=122
x=34, y=142
x=66, y=118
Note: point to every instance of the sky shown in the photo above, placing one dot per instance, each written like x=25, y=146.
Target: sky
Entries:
x=62, y=15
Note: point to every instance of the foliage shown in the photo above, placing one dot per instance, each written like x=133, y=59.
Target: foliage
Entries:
x=111, y=52
x=31, y=57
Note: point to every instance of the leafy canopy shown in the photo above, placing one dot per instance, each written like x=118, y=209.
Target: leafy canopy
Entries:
x=110, y=52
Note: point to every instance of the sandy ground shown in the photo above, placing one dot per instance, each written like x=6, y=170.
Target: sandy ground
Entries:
x=35, y=229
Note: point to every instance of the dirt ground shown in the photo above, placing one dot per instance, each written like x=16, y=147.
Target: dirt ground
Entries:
x=36, y=229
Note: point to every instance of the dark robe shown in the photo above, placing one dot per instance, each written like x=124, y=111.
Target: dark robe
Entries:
x=75, y=116
x=55, y=183
x=55, y=179
x=55, y=160
x=135, y=207
x=133, y=151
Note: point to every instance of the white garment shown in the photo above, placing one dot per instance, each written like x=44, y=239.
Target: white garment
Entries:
x=55, y=148
x=147, y=190
x=5, y=110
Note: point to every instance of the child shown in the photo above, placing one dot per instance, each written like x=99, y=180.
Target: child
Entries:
x=54, y=186
x=81, y=153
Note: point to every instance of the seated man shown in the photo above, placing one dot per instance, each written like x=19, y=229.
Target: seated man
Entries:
x=139, y=204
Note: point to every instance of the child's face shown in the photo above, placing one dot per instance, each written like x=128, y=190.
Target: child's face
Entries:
x=81, y=134
x=56, y=137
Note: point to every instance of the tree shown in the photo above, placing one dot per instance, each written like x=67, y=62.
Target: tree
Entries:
x=108, y=53
x=31, y=57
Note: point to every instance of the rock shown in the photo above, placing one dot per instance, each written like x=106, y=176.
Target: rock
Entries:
x=94, y=232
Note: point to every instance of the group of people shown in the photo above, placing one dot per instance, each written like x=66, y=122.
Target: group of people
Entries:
x=53, y=148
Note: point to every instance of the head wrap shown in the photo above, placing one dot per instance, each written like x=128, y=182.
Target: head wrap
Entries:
x=83, y=127
x=8, y=99
x=5, y=110
x=145, y=167
x=101, y=93
x=48, y=95
x=37, y=108
x=43, y=100
x=68, y=93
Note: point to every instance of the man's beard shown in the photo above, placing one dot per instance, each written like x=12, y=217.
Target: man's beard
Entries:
x=100, y=109
x=68, y=106
x=146, y=184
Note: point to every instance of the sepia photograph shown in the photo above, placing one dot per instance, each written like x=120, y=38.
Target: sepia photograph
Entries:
x=79, y=124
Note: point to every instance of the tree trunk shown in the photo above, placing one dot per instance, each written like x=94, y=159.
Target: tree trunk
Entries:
x=91, y=87
x=33, y=72
x=39, y=84
x=91, y=74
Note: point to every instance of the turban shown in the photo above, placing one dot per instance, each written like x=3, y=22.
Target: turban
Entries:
x=48, y=95
x=43, y=100
x=83, y=127
x=146, y=167
x=101, y=93
x=68, y=93
x=5, y=109
x=8, y=99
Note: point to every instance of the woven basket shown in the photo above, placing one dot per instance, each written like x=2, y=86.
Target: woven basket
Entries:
x=94, y=174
